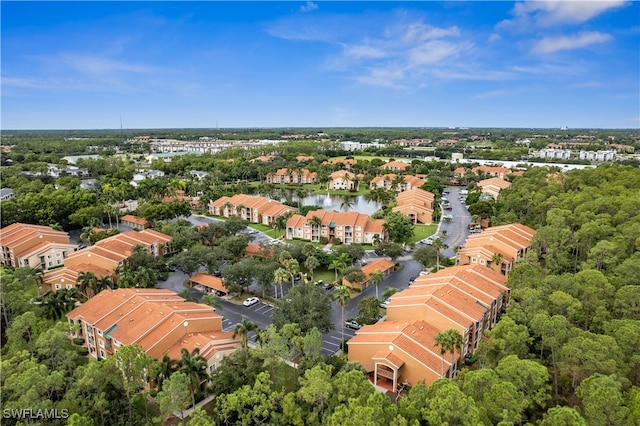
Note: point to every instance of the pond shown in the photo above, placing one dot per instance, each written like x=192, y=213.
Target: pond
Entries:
x=357, y=203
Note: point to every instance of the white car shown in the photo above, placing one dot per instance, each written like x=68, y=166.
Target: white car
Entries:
x=250, y=301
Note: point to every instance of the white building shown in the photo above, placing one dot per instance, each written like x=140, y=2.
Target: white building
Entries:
x=556, y=154
x=598, y=155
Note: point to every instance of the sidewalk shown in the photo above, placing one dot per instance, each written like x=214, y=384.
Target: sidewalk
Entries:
x=188, y=411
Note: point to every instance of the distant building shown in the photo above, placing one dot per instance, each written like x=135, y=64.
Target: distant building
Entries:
x=348, y=227
x=292, y=176
x=343, y=180
x=598, y=155
x=555, y=154
x=254, y=209
x=6, y=193
x=396, y=166
x=493, y=186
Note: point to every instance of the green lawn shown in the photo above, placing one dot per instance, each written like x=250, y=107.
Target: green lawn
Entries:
x=422, y=231
x=273, y=233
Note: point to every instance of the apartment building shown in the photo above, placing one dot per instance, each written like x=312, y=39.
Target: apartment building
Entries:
x=134, y=222
x=35, y=246
x=396, y=166
x=416, y=204
x=493, y=186
x=292, y=176
x=498, y=247
x=402, y=348
x=343, y=180
x=348, y=227
x=493, y=171
x=252, y=208
x=159, y=321
x=392, y=183
x=105, y=257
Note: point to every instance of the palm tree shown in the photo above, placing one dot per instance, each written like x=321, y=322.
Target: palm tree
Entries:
x=144, y=277
x=292, y=267
x=443, y=340
x=376, y=278
x=280, y=276
x=316, y=224
x=239, y=209
x=347, y=203
x=439, y=245
x=166, y=367
x=226, y=207
x=242, y=329
x=397, y=182
x=311, y=263
x=335, y=265
x=497, y=260
x=194, y=365
x=87, y=283
x=105, y=282
x=300, y=193
x=456, y=342
x=342, y=297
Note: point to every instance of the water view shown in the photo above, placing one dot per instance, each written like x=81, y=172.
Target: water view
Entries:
x=357, y=203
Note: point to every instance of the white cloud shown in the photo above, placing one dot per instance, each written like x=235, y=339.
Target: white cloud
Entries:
x=549, y=13
x=569, y=42
x=308, y=7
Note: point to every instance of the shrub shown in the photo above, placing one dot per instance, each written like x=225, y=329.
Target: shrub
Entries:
x=323, y=240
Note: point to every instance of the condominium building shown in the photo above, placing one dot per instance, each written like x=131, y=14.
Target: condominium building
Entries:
x=106, y=257
x=35, y=246
x=394, y=182
x=292, y=176
x=159, y=321
x=498, y=247
x=416, y=204
x=402, y=349
x=252, y=208
x=493, y=186
x=348, y=227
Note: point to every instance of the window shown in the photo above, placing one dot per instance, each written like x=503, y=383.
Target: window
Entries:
x=50, y=263
x=57, y=254
x=69, y=286
x=58, y=286
x=59, y=262
x=102, y=355
x=101, y=343
x=99, y=333
x=212, y=368
x=482, y=261
x=474, y=260
x=49, y=256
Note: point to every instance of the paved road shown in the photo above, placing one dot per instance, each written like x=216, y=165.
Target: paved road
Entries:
x=457, y=232
x=262, y=312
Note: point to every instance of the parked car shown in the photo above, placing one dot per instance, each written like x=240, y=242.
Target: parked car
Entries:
x=250, y=301
x=327, y=286
x=447, y=207
x=384, y=304
x=353, y=324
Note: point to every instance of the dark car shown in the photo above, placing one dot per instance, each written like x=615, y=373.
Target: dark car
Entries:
x=353, y=324
x=327, y=286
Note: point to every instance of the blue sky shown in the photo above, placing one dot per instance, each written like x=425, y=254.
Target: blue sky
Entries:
x=86, y=65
